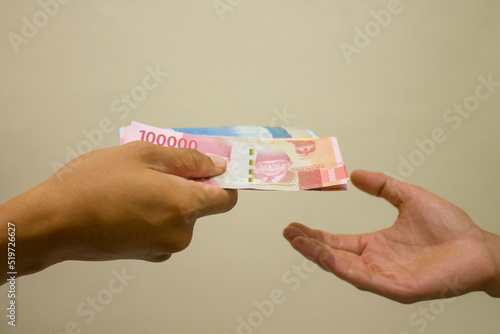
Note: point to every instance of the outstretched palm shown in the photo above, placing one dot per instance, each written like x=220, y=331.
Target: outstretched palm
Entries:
x=433, y=250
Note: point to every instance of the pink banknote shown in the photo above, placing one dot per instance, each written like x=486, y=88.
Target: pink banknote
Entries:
x=263, y=164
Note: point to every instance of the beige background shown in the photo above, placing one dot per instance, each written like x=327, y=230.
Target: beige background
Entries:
x=261, y=58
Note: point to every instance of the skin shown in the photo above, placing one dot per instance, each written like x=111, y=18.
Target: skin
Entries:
x=135, y=201
x=433, y=249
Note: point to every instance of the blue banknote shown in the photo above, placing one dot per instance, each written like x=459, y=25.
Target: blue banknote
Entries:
x=242, y=131
x=250, y=132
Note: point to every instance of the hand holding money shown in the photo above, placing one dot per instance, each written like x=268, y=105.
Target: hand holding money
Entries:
x=112, y=204
x=269, y=163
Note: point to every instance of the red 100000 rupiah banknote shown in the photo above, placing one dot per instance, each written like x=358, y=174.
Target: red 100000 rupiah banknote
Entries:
x=256, y=163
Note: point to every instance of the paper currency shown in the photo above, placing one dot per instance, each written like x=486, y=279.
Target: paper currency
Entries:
x=259, y=163
x=242, y=132
x=250, y=132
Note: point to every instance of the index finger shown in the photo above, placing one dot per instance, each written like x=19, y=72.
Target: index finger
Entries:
x=347, y=242
x=199, y=199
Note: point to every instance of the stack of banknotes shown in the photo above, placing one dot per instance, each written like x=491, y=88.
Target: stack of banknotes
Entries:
x=260, y=158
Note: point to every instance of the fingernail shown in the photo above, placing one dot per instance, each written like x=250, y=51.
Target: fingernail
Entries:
x=218, y=161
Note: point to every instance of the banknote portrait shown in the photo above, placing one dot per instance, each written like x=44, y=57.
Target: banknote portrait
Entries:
x=273, y=167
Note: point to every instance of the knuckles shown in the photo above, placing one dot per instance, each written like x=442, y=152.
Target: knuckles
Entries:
x=190, y=160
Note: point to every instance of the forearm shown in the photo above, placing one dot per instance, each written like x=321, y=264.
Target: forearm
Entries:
x=28, y=223
x=493, y=244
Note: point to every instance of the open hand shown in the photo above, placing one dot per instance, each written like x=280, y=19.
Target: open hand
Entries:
x=433, y=250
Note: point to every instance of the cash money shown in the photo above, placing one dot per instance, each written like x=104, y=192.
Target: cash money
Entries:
x=286, y=164
x=245, y=131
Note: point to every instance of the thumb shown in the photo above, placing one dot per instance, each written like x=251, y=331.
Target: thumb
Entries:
x=381, y=185
x=188, y=163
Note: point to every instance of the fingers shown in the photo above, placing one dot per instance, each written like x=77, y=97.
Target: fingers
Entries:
x=184, y=162
x=341, y=255
x=343, y=264
x=309, y=248
x=349, y=243
x=381, y=185
x=350, y=268
x=195, y=199
x=204, y=199
x=210, y=200
x=338, y=254
x=316, y=244
x=192, y=164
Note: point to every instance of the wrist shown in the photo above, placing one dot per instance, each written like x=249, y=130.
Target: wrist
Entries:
x=34, y=215
x=493, y=244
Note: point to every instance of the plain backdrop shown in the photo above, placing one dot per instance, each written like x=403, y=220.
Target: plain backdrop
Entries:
x=380, y=83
